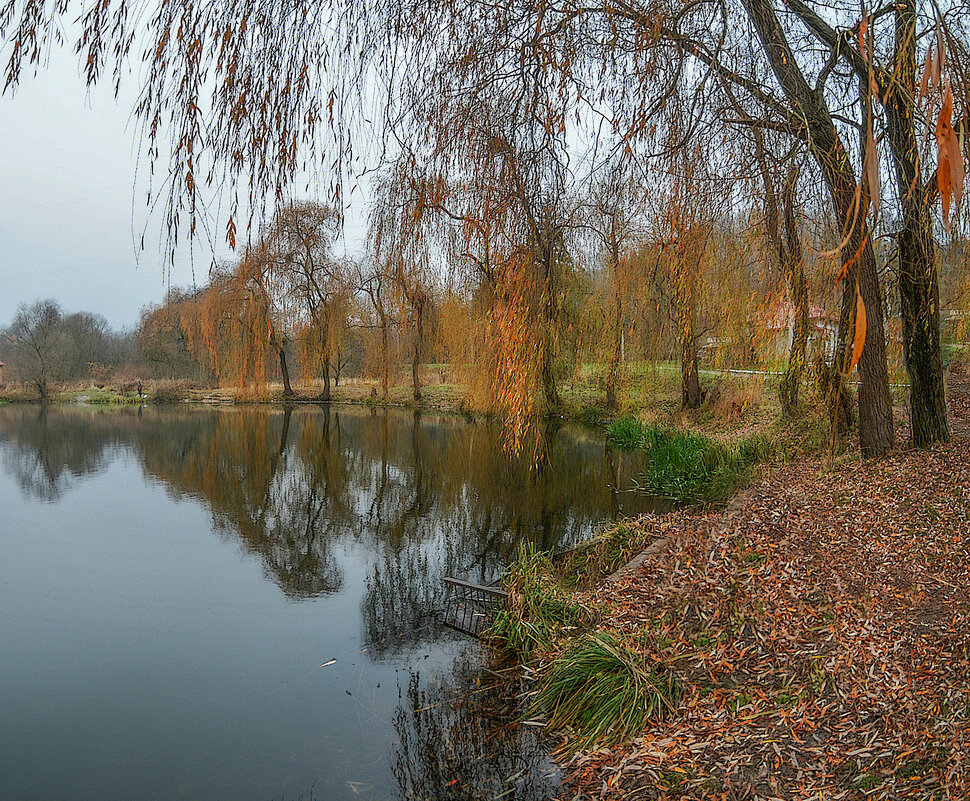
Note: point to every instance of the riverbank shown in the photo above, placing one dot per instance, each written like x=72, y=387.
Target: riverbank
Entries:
x=818, y=630
x=736, y=404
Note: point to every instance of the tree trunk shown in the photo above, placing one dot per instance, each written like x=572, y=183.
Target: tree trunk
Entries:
x=690, y=382
x=549, y=387
x=613, y=365
x=416, y=349
x=876, y=435
x=415, y=381
x=287, y=389
x=918, y=284
x=384, y=357
x=798, y=294
x=325, y=395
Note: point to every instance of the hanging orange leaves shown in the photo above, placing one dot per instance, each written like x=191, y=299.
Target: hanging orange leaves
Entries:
x=859, y=340
x=951, y=168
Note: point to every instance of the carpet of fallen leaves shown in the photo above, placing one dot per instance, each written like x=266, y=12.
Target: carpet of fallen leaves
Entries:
x=819, y=628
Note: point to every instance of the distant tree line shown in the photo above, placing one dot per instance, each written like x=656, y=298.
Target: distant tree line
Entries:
x=45, y=345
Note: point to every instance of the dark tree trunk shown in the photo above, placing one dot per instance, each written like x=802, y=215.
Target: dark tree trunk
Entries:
x=798, y=294
x=548, y=243
x=690, y=382
x=616, y=347
x=416, y=347
x=385, y=389
x=325, y=395
x=285, y=371
x=549, y=387
x=876, y=435
x=918, y=283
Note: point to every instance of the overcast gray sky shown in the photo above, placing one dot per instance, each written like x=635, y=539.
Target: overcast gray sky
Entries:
x=69, y=216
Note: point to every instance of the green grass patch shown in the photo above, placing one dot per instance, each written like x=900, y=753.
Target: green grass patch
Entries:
x=108, y=398
x=686, y=467
x=600, y=688
x=626, y=433
x=539, y=610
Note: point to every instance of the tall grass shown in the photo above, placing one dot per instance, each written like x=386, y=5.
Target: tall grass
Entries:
x=626, y=433
x=538, y=611
x=688, y=467
x=600, y=689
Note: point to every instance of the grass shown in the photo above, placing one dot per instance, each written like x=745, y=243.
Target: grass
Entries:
x=687, y=467
x=539, y=611
x=626, y=433
x=100, y=397
x=616, y=545
x=600, y=688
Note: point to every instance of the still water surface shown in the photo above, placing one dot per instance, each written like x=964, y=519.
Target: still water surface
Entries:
x=174, y=585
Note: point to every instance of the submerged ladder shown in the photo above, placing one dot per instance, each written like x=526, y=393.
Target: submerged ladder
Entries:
x=471, y=607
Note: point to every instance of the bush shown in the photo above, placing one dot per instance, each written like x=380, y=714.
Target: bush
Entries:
x=174, y=391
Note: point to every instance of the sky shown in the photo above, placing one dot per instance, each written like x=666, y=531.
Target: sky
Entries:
x=71, y=210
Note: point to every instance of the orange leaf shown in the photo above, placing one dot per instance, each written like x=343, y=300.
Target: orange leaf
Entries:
x=859, y=340
x=945, y=170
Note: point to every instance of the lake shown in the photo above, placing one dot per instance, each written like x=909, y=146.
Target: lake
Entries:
x=245, y=603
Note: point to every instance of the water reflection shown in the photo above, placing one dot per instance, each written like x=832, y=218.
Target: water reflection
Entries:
x=429, y=495
x=356, y=516
x=46, y=451
x=459, y=739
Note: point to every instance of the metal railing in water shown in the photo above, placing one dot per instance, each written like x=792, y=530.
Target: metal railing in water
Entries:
x=471, y=607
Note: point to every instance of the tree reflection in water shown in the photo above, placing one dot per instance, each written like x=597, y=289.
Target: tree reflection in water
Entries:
x=46, y=450
x=368, y=511
x=427, y=495
x=460, y=739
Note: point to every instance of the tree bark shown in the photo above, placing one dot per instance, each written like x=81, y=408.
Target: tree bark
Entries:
x=613, y=365
x=798, y=295
x=325, y=395
x=384, y=357
x=416, y=347
x=284, y=369
x=690, y=382
x=876, y=435
x=548, y=301
x=918, y=282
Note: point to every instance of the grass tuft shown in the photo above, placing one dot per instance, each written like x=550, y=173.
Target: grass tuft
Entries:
x=601, y=690
x=539, y=609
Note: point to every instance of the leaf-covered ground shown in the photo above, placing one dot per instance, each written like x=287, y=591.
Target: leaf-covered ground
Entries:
x=821, y=630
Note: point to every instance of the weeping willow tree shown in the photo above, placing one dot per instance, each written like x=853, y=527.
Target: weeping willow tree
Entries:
x=228, y=327
x=247, y=94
